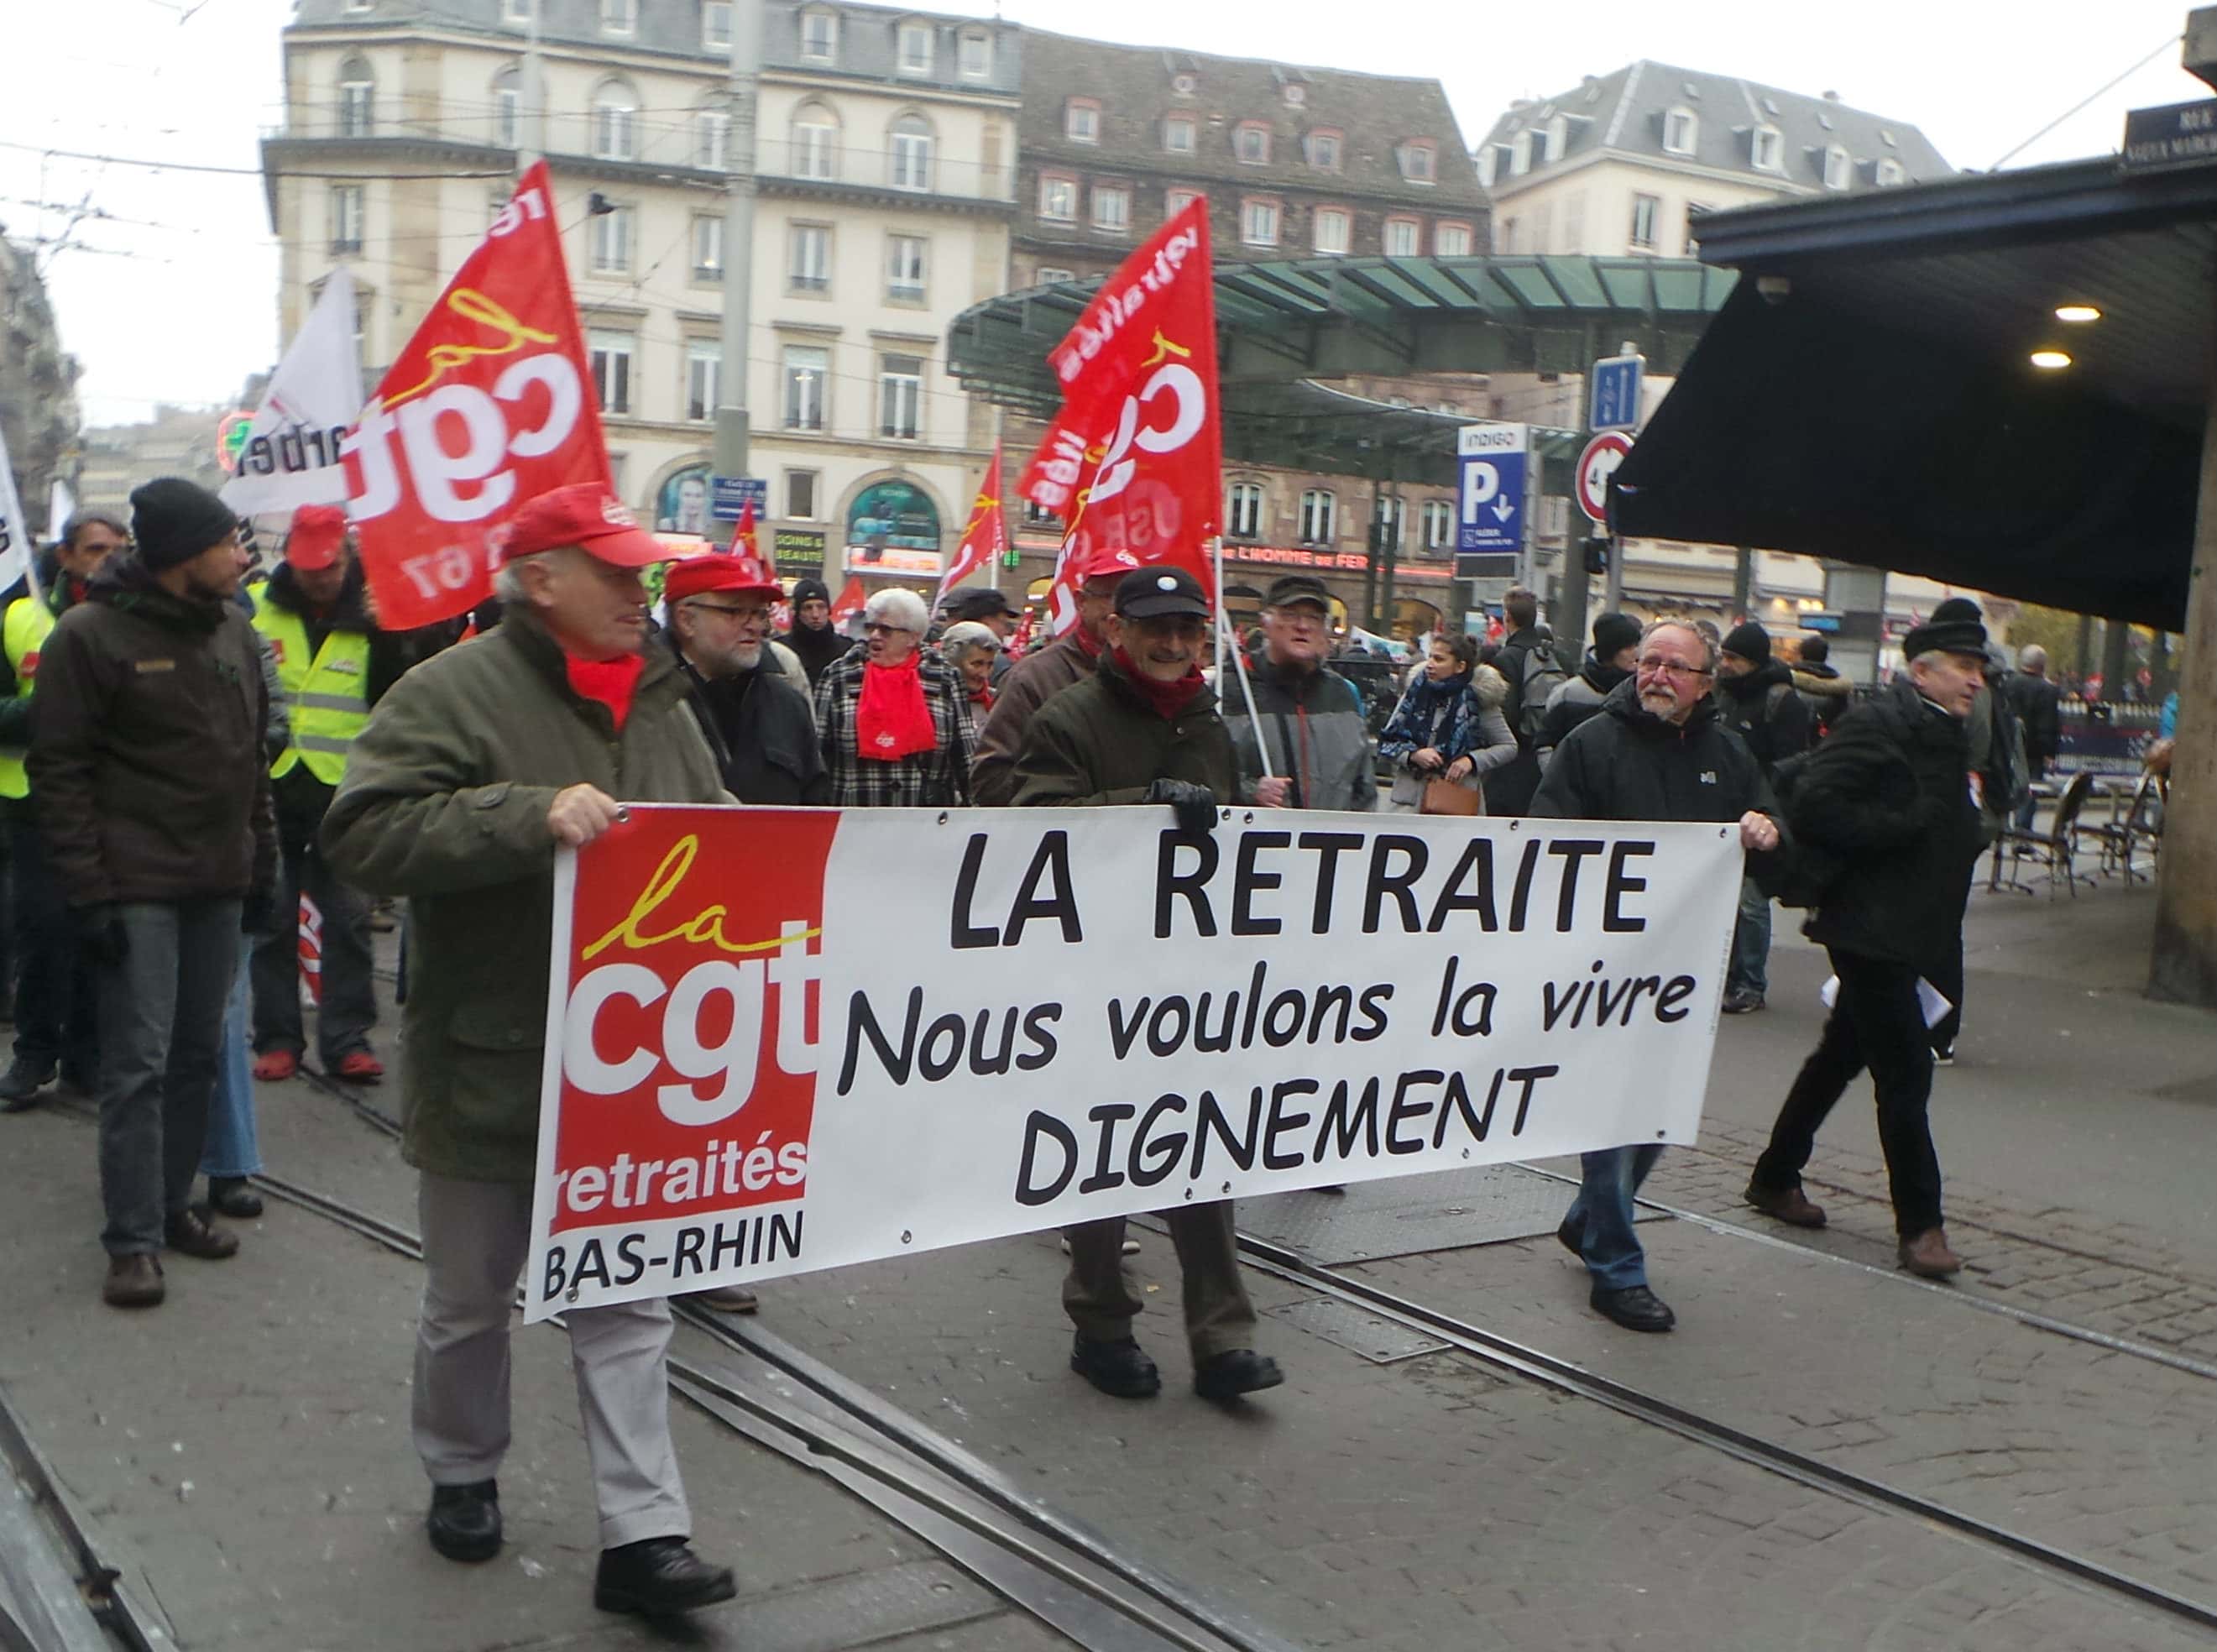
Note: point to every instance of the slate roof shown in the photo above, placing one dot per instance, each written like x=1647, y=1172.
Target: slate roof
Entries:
x=1624, y=112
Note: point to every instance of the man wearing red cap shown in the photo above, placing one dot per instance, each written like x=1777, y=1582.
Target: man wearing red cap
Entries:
x=1041, y=675
x=334, y=665
x=757, y=723
x=477, y=764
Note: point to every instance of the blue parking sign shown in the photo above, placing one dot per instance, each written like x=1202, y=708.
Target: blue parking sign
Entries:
x=1490, y=513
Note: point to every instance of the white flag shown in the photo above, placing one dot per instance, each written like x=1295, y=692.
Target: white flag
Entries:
x=291, y=454
x=14, y=532
x=61, y=505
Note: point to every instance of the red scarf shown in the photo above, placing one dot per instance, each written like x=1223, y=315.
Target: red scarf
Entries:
x=891, y=721
x=983, y=697
x=1170, y=700
x=1088, y=644
x=610, y=681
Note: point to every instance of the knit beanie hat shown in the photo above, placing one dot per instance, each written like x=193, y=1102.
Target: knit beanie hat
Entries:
x=1749, y=641
x=173, y=521
x=809, y=591
x=1612, y=634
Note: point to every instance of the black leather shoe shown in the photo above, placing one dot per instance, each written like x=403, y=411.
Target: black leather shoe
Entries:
x=1118, y=1368
x=191, y=1232
x=659, y=1577
x=1636, y=1308
x=231, y=1196
x=84, y=1080
x=20, y=1084
x=465, y=1521
x=1568, y=1236
x=1243, y=1370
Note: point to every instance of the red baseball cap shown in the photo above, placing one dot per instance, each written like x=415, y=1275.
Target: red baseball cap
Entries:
x=696, y=575
x=585, y=514
x=1111, y=565
x=317, y=537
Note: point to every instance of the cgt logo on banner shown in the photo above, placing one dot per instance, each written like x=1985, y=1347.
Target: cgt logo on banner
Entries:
x=1056, y=1016
x=485, y=408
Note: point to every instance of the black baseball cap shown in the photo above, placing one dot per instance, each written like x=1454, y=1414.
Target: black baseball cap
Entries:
x=1289, y=589
x=1152, y=593
x=976, y=603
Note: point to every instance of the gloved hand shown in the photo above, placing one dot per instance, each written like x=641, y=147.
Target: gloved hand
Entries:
x=1195, y=805
x=257, y=914
x=100, y=937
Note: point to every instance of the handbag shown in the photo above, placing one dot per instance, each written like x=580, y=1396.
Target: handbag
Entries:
x=1446, y=797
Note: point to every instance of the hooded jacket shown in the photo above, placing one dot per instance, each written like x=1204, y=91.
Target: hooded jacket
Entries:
x=1824, y=692
x=1460, y=717
x=1763, y=709
x=1316, y=733
x=1573, y=701
x=147, y=764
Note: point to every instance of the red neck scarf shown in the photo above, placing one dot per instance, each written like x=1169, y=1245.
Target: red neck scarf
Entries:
x=611, y=683
x=891, y=720
x=983, y=697
x=1088, y=644
x=1170, y=700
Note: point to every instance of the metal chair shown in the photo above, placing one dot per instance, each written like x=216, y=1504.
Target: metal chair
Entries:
x=2131, y=822
x=2056, y=848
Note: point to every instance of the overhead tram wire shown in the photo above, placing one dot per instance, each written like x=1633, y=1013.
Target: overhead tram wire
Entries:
x=2105, y=86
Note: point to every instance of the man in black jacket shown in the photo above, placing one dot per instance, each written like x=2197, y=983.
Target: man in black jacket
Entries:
x=1657, y=752
x=2038, y=704
x=1525, y=652
x=1887, y=793
x=761, y=729
x=1756, y=699
x=1608, y=662
x=813, y=638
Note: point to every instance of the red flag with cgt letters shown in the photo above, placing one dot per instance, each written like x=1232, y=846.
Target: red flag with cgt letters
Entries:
x=489, y=405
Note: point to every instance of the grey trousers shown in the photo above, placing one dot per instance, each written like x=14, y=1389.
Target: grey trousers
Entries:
x=161, y=1025
x=1098, y=1294
x=476, y=1235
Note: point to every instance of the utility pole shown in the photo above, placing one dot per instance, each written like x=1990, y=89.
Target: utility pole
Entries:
x=531, y=100
x=732, y=430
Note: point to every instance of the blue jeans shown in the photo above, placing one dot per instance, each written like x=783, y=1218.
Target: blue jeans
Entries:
x=232, y=1149
x=1601, y=1216
x=1750, y=946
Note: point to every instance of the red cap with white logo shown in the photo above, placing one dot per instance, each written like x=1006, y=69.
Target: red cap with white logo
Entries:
x=585, y=514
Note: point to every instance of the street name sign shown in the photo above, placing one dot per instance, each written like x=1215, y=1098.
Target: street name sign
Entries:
x=1596, y=466
x=1613, y=393
x=1494, y=459
x=2177, y=134
x=727, y=496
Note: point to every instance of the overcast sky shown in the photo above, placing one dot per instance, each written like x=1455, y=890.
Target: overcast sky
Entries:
x=171, y=296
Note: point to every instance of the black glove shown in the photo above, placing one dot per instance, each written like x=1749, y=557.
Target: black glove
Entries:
x=101, y=937
x=1195, y=805
x=257, y=914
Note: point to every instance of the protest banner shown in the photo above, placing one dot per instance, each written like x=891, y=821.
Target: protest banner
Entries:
x=291, y=453
x=16, y=560
x=787, y=1039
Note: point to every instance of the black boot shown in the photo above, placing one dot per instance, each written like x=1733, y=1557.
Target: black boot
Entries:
x=1121, y=1368
x=465, y=1521
x=24, y=1079
x=659, y=1577
x=231, y=1196
x=1243, y=1370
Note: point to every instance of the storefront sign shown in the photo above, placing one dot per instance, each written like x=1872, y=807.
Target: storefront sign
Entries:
x=807, y=543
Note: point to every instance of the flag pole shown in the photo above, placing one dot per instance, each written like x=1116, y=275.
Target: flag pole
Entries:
x=1239, y=662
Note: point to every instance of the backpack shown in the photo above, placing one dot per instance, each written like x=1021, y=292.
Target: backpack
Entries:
x=1811, y=871
x=1537, y=678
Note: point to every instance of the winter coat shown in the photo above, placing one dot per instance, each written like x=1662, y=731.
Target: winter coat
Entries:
x=1314, y=730
x=1103, y=742
x=1888, y=793
x=1824, y=692
x=1520, y=659
x=1627, y=763
x=931, y=779
x=146, y=762
x=761, y=731
x=445, y=801
x=1036, y=678
x=1460, y=717
x=1574, y=700
x=2038, y=704
x=1762, y=708
x=787, y=664
x=815, y=650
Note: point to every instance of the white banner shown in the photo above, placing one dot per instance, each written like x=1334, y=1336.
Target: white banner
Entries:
x=787, y=1039
x=14, y=532
x=291, y=456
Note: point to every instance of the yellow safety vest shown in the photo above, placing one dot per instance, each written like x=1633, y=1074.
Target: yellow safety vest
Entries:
x=327, y=695
x=23, y=633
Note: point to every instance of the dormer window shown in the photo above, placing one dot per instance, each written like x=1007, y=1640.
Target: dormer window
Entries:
x=619, y=16
x=1682, y=130
x=1420, y=160
x=716, y=24
x=1182, y=85
x=1486, y=166
x=1520, y=154
x=1296, y=94
x=1559, y=137
x=1890, y=173
x=1839, y=169
x=1180, y=134
x=977, y=54
x=1323, y=149
x=1081, y=120
x=819, y=36
x=915, y=53
x=1767, y=149
x=1250, y=142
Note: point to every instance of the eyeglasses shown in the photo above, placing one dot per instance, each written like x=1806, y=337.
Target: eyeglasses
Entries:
x=878, y=628
x=756, y=612
x=1652, y=667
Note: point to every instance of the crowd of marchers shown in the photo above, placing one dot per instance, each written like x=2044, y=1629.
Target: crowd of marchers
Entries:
x=189, y=747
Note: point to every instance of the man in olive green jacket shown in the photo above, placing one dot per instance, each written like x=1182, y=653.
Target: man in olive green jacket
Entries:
x=473, y=767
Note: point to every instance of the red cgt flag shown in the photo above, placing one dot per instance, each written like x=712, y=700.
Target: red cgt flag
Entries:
x=850, y=603
x=1133, y=462
x=490, y=405
x=985, y=539
x=743, y=537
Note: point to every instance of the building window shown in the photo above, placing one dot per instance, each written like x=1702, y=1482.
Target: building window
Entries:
x=1681, y=130
x=1319, y=516
x=800, y=495
x=516, y=11
x=619, y=16
x=357, y=93
x=507, y=116
x=1558, y=137
x=704, y=370
x=1890, y=173
x=347, y=200
x=807, y=373
x=1047, y=275
x=819, y=36
x=610, y=355
x=976, y=61
x=809, y=270
x=711, y=140
x=1177, y=200
x=1243, y=510
x=1574, y=223
x=1420, y=162
x=1112, y=207
x=1646, y=211
x=1839, y=171
x=1506, y=235
x=716, y=24
x=1768, y=150
x=911, y=153
x=1179, y=134
x=615, y=123
x=1250, y=142
x=904, y=263
x=1081, y=120
x=1439, y=526
x=1520, y=154
x=1401, y=237
x=900, y=397
x=1258, y=223
x=611, y=242
x=1058, y=198
x=707, y=245
x=1323, y=150
x=913, y=56
x=1388, y=521
x=815, y=142
x=1333, y=232
x=1451, y=240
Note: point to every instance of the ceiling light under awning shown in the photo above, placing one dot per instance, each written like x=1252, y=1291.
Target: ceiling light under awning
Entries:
x=2050, y=360
x=2077, y=314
